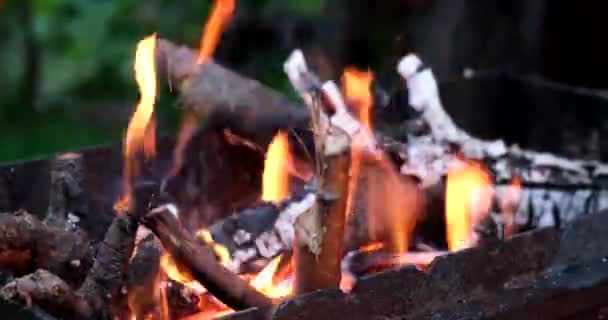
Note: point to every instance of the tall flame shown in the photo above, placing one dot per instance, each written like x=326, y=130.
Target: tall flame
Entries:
x=220, y=16
x=275, y=180
x=468, y=199
x=141, y=124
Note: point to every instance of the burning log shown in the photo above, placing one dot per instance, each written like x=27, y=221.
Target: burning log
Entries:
x=201, y=262
x=224, y=98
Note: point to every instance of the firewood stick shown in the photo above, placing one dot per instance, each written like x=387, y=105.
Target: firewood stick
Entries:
x=223, y=97
x=200, y=260
x=319, y=232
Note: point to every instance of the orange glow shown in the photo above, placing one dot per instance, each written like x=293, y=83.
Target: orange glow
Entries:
x=275, y=180
x=509, y=204
x=468, y=199
x=220, y=16
x=140, y=125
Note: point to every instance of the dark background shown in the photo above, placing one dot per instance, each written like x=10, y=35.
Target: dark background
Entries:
x=66, y=79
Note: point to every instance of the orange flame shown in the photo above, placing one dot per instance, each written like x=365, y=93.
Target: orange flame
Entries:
x=356, y=85
x=220, y=16
x=468, y=199
x=275, y=179
x=173, y=271
x=141, y=124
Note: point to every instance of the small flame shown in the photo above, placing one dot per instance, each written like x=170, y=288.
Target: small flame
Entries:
x=141, y=124
x=220, y=16
x=275, y=180
x=221, y=251
x=468, y=200
x=264, y=281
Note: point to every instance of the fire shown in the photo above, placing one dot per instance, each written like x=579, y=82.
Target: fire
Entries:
x=275, y=180
x=141, y=125
x=389, y=216
x=468, y=199
x=220, y=16
x=265, y=283
x=174, y=273
x=222, y=252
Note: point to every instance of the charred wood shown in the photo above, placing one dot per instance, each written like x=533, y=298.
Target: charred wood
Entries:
x=49, y=292
x=225, y=98
x=27, y=244
x=66, y=189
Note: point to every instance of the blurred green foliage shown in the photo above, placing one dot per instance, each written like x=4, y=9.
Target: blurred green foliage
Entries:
x=67, y=65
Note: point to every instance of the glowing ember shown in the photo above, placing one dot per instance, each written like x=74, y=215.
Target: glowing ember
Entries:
x=275, y=180
x=509, y=204
x=220, y=16
x=468, y=199
x=140, y=125
x=372, y=247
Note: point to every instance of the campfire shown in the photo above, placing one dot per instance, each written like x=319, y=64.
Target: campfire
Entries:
x=262, y=208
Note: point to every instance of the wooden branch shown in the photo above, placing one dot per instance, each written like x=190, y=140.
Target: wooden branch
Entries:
x=224, y=98
x=49, y=292
x=200, y=260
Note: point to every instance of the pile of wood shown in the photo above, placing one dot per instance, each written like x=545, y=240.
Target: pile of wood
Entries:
x=69, y=274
